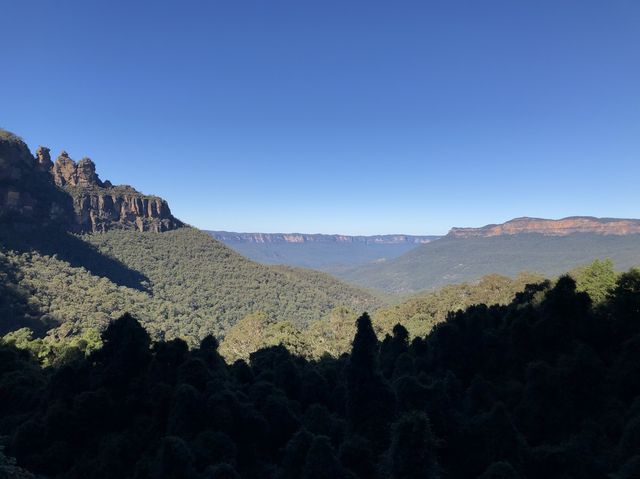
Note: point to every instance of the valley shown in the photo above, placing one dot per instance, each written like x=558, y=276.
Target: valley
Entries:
x=328, y=253
x=217, y=248
x=103, y=288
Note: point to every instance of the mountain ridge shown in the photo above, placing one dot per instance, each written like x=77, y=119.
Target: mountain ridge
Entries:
x=323, y=252
x=552, y=227
x=230, y=236
x=455, y=259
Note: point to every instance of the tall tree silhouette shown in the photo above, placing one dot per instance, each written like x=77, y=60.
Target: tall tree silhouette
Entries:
x=370, y=400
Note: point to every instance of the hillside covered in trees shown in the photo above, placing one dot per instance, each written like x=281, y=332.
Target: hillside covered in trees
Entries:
x=179, y=283
x=545, y=386
x=452, y=259
x=418, y=314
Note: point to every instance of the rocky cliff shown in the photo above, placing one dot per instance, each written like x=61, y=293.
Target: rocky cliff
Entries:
x=281, y=238
x=27, y=192
x=561, y=227
x=37, y=189
x=100, y=206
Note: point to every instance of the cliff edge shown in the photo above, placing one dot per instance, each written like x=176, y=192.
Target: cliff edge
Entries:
x=36, y=189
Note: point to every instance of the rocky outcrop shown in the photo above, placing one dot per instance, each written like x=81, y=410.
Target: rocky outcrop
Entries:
x=86, y=173
x=72, y=193
x=561, y=227
x=229, y=237
x=43, y=157
x=27, y=193
x=66, y=172
x=100, y=206
x=99, y=210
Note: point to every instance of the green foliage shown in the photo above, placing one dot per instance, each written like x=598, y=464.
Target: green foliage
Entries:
x=52, y=351
x=420, y=313
x=544, y=386
x=77, y=192
x=245, y=337
x=179, y=284
x=333, y=335
x=596, y=279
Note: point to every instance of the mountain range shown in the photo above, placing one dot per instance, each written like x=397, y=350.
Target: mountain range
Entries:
x=562, y=227
x=544, y=246
x=65, y=232
x=406, y=264
x=319, y=251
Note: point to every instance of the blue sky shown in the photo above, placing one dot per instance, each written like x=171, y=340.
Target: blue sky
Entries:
x=358, y=117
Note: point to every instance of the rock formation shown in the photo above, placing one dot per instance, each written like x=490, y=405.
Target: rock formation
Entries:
x=99, y=210
x=86, y=173
x=72, y=193
x=27, y=193
x=561, y=227
x=66, y=172
x=44, y=159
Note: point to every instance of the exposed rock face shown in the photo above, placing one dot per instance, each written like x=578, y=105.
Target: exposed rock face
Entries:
x=44, y=159
x=27, y=193
x=99, y=206
x=561, y=227
x=86, y=173
x=72, y=193
x=67, y=173
x=229, y=237
x=99, y=210
x=64, y=170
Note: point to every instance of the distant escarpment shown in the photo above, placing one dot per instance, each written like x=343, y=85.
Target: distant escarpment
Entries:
x=561, y=227
x=35, y=189
x=325, y=252
x=259, y=238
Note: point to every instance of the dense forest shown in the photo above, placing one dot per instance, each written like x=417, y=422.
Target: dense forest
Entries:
x=180, y=283
x=545, y=386
x=62, y=291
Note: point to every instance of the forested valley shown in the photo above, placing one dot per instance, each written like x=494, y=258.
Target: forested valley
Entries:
x=545, y=386
x=135, y=346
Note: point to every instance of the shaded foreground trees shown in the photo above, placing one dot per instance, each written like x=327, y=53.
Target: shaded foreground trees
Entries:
x=543, y=387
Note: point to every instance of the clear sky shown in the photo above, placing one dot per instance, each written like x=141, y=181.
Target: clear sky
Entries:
x=358, y=117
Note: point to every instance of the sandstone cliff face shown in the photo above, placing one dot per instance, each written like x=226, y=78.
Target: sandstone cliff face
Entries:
x=99, y=210
x=27, y=192
x=72, y=193
x=561, y=227
x=99, y=206
x=66, y=172
x=43, y=158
